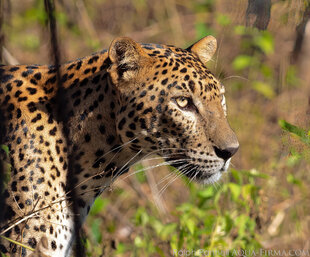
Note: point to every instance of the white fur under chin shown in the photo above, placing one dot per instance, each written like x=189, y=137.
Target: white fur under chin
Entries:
x=226, y=165
x=216, y=176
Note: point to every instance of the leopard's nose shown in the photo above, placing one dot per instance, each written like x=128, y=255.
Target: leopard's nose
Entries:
x=226, y=153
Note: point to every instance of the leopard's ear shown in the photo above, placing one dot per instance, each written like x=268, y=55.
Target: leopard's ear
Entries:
x=204, y=49
x=126, y=57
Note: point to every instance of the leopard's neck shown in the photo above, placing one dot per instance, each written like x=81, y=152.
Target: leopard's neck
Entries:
x=97, y=154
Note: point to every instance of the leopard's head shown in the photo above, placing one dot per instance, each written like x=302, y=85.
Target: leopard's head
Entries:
x=172, y=105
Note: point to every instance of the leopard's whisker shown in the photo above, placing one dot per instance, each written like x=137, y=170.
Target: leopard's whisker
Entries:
x=171, y=181
x=125, y=165
x=97, y=174
x=151, y=167
x=107, y=186
x=235, y=77
x=170, y=174
x=118, y=147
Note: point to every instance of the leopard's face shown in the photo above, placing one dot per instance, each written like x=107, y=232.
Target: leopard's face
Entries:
x=172, y=105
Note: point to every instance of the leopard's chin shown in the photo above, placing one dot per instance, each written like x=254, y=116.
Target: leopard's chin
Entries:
x=209, y=179
x=197, y=173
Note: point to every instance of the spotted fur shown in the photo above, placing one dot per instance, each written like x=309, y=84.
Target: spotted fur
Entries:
x=118, y=106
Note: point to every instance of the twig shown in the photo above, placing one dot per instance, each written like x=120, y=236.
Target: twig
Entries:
x=175, y=21
x=8, y=57
x=18, y=243
x=155, y=193
x=86, y=21
x=18, y=222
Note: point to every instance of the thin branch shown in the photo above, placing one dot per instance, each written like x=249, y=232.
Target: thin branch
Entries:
x=17, y=243
x=8, y=57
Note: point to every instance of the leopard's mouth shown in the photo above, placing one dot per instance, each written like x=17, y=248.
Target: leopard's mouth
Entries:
x=195, y=172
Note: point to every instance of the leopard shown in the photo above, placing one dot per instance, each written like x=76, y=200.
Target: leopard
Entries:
x=72, y=129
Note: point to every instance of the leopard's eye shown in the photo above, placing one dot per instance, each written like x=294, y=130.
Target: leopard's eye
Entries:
x=182, y=101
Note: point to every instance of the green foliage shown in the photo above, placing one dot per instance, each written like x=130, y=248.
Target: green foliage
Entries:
x=223, y=20
x=297, y=154
x=202, y=30
x=203, y=6
x=5, y=175
x=263, y=88
x=291, y=77
x=31, y=42
x=242, y=61
x=213, y=219
x=264, y=41
x=256, y=46
x=140, y=173
x=300, y=133
x=5, y=149
x=92, y=243
x=96, y=231
x=204, y=223
x=36, y=13
x=98, y=206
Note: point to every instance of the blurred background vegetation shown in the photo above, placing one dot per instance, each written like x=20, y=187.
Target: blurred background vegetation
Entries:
x=263, y=58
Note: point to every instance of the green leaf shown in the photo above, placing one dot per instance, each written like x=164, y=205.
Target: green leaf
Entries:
x=240, y=30
x=61, y=18
x=142, y=217
x=242, y=61
x=248, y=191
x=223, y=20
x=138, y=242
x=241, y=222
x=299, y=132
x=182, y=234
x=236, y=175
x=160, y=251
x=254, y=173
x=265, y=42
x=140, y=174
x=96, y=230
x=202, y=30
x=121, y=248
x=266, y=70
x=291, y=76
x=31, y=42
x=156, y=225
x=235, y=191
x=173, y=243
x=209, y=222
x=167, y=230
x=206, y=193
x=5, y=148
x=293, y=180
x=98, y=206
x=228, y=223
x=191, y=225
x=36, y=14
x=5, y=166
x=294, y=159
x=264, y=89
